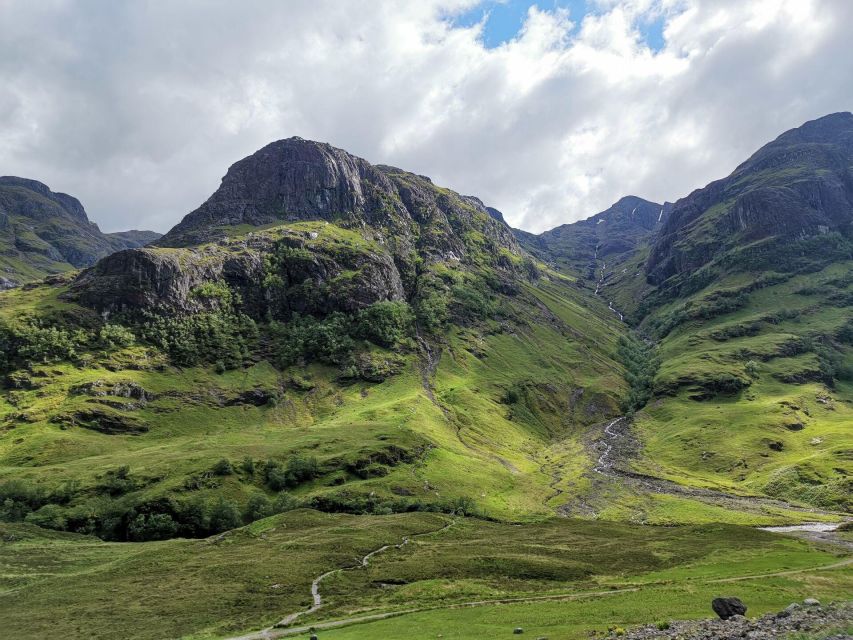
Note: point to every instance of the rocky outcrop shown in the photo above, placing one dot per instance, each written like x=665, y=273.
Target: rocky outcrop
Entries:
x=809, y=619
x=727, y=608
x=359, y=234
x=300, y=180
x=798, y=186
x=262, y=274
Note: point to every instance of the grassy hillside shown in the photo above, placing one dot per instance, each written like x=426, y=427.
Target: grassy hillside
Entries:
x=104, y=431
x=755, y=389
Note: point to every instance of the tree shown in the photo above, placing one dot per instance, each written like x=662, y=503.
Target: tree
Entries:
x=224, y=515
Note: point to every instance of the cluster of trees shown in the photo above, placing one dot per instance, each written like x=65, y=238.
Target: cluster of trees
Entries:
x=223, y=338
x=641, y=365
x=333, y=339
x=116, y=516
x=27, y=341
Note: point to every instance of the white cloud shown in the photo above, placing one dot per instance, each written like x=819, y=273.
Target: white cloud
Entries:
x=139, y=108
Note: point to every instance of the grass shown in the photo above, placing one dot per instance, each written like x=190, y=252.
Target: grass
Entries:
x=249, y=578
x=746, y=442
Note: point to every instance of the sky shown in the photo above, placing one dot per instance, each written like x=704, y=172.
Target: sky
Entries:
x=549, y=111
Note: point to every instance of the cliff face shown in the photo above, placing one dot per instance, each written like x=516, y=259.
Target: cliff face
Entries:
x=315, y=272
x=797, y=187
x=298, y=180
x=42, y=232
x=330, y=230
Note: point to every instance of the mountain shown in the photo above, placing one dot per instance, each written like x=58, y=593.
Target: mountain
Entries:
x=371, y=341
x=338, y=381
x=748, y=294
x=356, y=235
x=617, y=231
x=790, y=205
x=605, y=251
x=133, y=239
x=42, y=232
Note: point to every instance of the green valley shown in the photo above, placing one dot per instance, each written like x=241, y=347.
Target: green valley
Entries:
x=340, y=399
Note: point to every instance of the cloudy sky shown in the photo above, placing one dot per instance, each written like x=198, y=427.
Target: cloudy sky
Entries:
x=547, y=110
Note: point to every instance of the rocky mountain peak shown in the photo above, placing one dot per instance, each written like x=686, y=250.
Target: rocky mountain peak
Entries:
x=294, y=180
x=287, y=180
x=796, y=187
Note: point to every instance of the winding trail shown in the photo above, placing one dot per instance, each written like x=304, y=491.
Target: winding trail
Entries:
x=276, y=630
x=273, y=633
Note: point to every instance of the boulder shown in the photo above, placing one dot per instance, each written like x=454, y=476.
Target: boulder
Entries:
x=729, y=607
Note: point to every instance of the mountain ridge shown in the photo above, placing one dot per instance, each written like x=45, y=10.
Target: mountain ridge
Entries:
x=44, y=232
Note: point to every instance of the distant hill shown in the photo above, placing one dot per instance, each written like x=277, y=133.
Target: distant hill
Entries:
x=134, y=238
x=613, y=233
x=42, y=232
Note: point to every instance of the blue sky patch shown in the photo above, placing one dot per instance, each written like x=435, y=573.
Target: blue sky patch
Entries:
x=504, y=19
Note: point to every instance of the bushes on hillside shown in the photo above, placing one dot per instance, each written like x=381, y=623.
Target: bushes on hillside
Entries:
x=384, y=323
x=219, y=337
x=29, y=341
x=641, y=364
x=332, y=340
x=297, y=470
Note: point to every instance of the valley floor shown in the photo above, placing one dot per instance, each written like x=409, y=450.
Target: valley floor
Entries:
x=455, y=577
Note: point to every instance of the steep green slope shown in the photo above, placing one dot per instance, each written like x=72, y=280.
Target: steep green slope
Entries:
x=749, y=298
x=43, y=233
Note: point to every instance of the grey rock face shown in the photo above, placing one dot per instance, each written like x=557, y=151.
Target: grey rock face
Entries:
x=296, y=179
x=315, y=279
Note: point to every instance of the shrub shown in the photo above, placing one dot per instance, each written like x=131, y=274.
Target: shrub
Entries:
x=384, y=323
x=154, y=526
x=223, y=468
x=224, y=515
x=431, y=304
x=298, y=470
x=213, y=291
x=115, y=335
x=469, y=304
x=257, y=507
x=284, y=502
x=50, y=516
x=248, y=465
x=117, y=481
